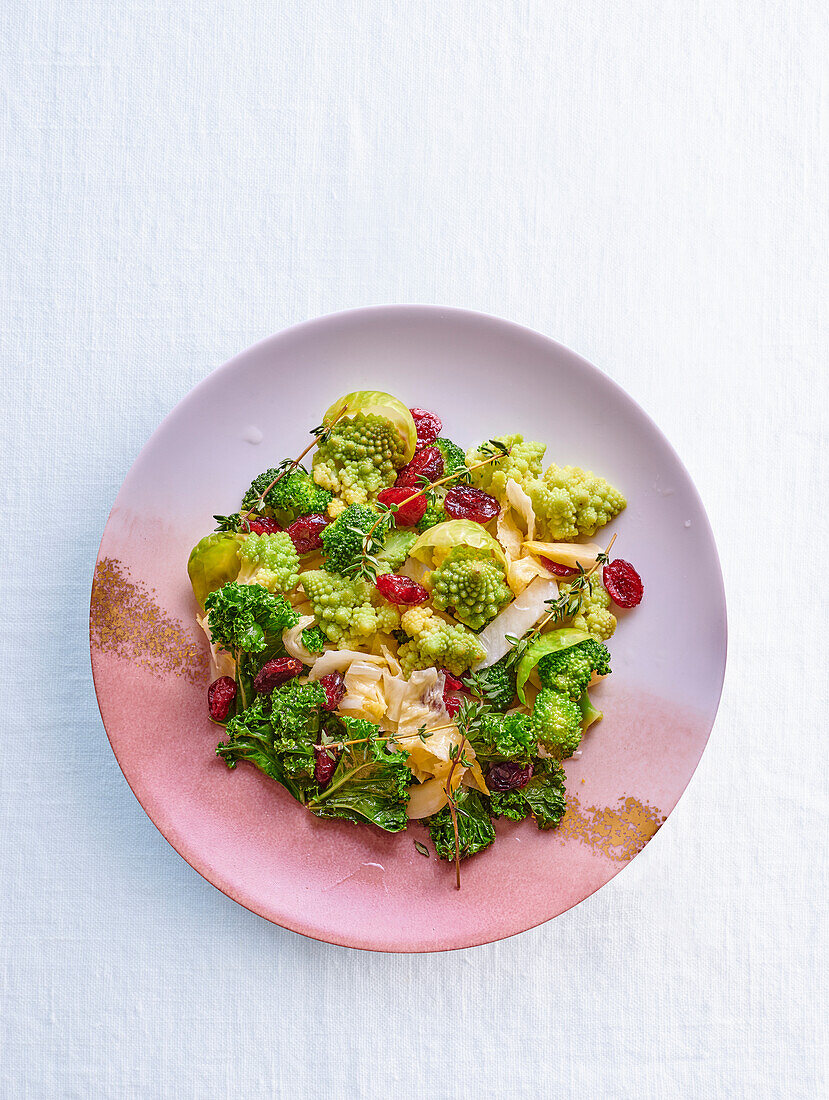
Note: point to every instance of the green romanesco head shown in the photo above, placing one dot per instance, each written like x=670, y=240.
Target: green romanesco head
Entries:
x=569, y=502
x=269, y=560
x=436, y=643
x=569, y=670
x=294, y=494
x=453, y=456
x=435, y=513
x=472, y=585
x=396, y=547
x=342, y=540
x=360, y=457
x=594, y=615
x=350, y=611
x=522, y=464
x=556, y=721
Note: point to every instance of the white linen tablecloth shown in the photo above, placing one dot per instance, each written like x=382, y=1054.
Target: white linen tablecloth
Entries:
x=645, y=182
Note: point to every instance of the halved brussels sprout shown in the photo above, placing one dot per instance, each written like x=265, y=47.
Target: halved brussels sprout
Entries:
x=435, y=545
x=213, y=561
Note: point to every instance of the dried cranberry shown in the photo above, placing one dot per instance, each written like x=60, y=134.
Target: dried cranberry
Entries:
x=427, y=425
x=333, y=685
x=452, y=705
x=464, y=502
x=453, y=683
x=623, y=583
x=427, y=463
x=325, y=765
x=220, y=695
x=261, y=525
x=397, y=589
x=557, y=569
x=509, y=776
x=276, y=672
x=305, y=532
x=408, y=514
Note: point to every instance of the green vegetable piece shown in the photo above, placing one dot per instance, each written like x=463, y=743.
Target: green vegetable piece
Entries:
x=544, y=797
x=570, y=670
x=435, y=545
x=470, y=584
x=454, y=459
x=504, y=737
x=378, y=403
x=247, y=617
x=295, y=494
x=213, y=561
x=589, y=713
x=371, y=782
x=496, y=684
x=396, y=547
x=313, y=639
x=475, y=828
x=548, y=643
x=557, y=722
x=342, y=540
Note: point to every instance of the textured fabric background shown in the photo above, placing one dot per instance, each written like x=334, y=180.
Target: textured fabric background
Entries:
x=646, y=182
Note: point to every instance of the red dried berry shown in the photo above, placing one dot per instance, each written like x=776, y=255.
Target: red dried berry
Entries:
x=427, y=463
x=557, y=569
x=333, y=685
x=408, y=514
x=276, y=672
x=261, y=525
x=427, y=425
x=453, y=683
x=509, y=776
x=397, y=589
x=220, y=695
x=305, y=532
x=452, y=704
x=325, y=765
x=623, y=583
x=464, y=502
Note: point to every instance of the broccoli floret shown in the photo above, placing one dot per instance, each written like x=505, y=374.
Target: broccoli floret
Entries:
x=396, y=547
x=472, y=584
x=269, y=560
x=544, y=796
x=342, y=540
x=360, y=457
x=294, y=495
x=496, y=684
x=522, y=464
x=569, y=502
x=556, y=721
x=436, y=643
x=475, y=829
x=349, y=611
x=454, y=459
x=504, y=737
x=594, y=615
x=247, y=618
x=569, y=670
x=435, y=513
x=313, y=639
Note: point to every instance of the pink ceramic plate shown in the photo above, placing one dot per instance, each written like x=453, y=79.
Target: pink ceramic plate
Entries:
x=354, y=885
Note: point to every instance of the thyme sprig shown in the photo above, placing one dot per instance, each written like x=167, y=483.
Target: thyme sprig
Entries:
x=564, y=606
x=468, y=721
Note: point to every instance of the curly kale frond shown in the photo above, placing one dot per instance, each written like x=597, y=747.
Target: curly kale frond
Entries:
x=247, y=618
x=475, y=829
x=543, y=797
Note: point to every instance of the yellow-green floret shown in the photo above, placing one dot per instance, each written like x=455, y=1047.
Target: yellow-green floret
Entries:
x=569, y=502
x=557, y=722
x=436, y=643
x=360, y=457
x=522, y=464
x=269, y=560
x=349, y=611
x=594, y=615
x=472, y=585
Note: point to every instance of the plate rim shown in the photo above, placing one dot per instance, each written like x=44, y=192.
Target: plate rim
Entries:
x=524, y=330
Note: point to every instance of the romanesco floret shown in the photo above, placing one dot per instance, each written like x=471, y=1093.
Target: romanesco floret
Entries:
x=569, y=670
x=349, y=611
x=396, y=547
x=556, y=721
x=594, y=615
x=360, y=457
x=342, y=540
x=294, y=494
x=522, y=464
x=569, y=502
x=435, y=513
x=269, y=560
x=436, y=643
x=453, y=456
x=472, y=584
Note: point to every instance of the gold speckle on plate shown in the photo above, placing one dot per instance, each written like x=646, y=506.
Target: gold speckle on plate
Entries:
x=124, y=619
x=617, y=833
